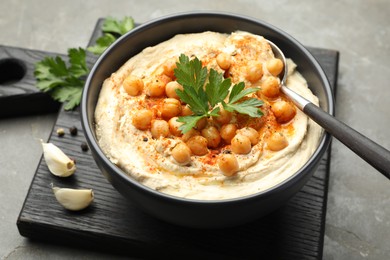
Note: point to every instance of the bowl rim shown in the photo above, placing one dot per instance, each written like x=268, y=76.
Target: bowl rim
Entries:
x=313, y=160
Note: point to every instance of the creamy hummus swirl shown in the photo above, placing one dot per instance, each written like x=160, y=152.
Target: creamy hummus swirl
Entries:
x=149, y=160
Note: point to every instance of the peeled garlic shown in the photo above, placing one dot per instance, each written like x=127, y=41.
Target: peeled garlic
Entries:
x=59, y=164
x=73, y=199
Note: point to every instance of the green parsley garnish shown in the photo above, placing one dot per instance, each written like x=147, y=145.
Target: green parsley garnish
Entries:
x=112, y=30
x=204, y=100
x=65, y=82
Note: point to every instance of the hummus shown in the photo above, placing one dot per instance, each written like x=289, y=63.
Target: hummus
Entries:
x=149, y=160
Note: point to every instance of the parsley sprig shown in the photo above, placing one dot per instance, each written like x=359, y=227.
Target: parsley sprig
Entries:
x=204, y=100
x=112, y=30
x=65, y=81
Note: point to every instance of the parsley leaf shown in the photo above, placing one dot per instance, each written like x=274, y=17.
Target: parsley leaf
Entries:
x=78, y=64
x=248, y=107
x=190, y=73
x=61, y=82
x=69, y=94
x=239, y=92
x=65, y=83
x=49, y=73
x=197, y=101
x=217, y=89
x=102, y=43
x=189, y=122
x=111, y=25
x=112, y=30
x=204, y=101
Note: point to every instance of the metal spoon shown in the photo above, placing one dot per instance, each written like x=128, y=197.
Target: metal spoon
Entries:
x=367, y=149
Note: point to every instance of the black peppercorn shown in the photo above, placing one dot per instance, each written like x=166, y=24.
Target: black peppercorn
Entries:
x=73, y=130
x=145, y=139
x=84, y=146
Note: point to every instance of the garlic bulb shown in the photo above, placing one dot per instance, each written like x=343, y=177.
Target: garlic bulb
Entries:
x=73, y=199
x=58, y=162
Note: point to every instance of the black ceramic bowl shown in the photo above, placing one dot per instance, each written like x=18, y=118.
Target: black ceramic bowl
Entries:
x=189, y=212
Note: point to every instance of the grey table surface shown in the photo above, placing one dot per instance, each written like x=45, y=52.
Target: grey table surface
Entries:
x=358, y=214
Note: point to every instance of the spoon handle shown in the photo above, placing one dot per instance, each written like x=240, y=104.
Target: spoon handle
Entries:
x=367, y=149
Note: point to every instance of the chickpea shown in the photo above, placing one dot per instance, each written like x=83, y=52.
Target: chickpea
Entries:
x=251, y=133
x=142, y=119
x=156, y=88
x=133, y=85
x=254, y=71
x=224, y=60
x=275, y=66
x=170, y=89
x=201, y=123
x=186, y=111
x=169, y=68
x=283, y=111
x=212, y=135
x=277, y=142
x=159, y=128
x=227, y=132
x=224, y=117
x=270, y=87
x=241, y=144
x=174, y=126
x=181, y=153
x=198, y=145
x=185, y=137
x=228, y=164
x=171, y=107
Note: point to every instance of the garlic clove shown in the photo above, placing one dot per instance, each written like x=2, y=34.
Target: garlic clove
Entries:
x=73, y=199
x=58, y=162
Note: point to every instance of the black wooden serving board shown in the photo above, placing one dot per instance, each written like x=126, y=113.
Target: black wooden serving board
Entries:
x=18, y=94
x=114, y=224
